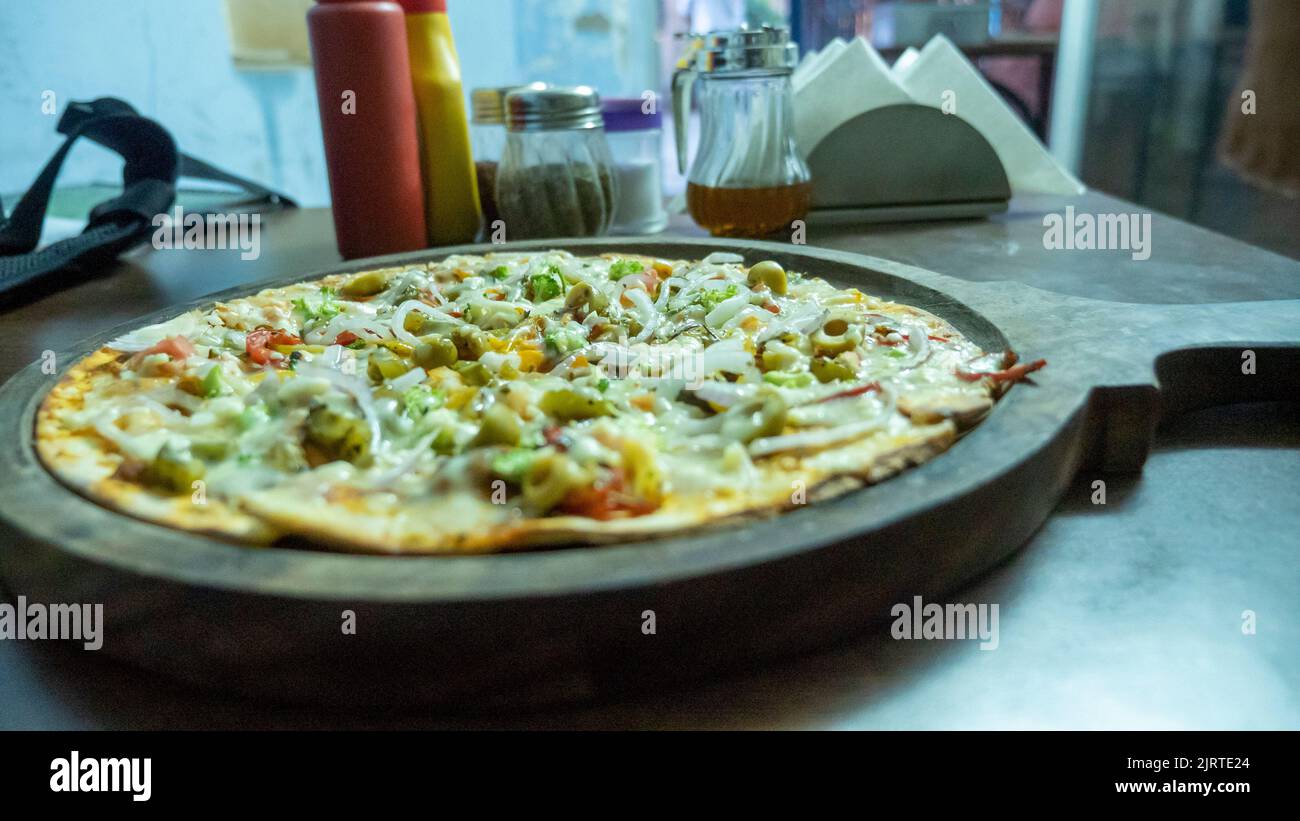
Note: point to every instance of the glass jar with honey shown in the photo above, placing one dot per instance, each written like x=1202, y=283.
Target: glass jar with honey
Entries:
x=747, y=179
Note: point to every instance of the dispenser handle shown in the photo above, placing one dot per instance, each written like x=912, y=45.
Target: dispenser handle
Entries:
x=683, y=79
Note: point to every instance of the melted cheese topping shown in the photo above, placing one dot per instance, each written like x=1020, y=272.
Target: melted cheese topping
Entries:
x=601, y=387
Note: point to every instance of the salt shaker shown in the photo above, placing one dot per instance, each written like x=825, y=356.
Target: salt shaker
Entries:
x=634, y=132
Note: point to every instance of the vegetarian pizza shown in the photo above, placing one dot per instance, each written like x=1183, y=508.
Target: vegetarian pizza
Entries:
x=497, y=402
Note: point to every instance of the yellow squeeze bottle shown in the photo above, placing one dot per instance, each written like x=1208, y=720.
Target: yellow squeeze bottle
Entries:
x=451, y=201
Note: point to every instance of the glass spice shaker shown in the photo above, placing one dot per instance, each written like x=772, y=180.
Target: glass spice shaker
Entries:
x=556, y=175
x=487, y=133
x=487, y=136
x=634, y=135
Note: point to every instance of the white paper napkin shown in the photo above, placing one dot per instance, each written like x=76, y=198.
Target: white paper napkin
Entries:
x=808, y=58
x=941, y=68
x=905, y=59
x=809, y=69
x=855, y=80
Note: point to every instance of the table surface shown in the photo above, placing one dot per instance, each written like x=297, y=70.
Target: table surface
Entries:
x=1123, y=615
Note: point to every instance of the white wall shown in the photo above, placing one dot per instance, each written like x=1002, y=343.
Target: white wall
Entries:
x=171, y=60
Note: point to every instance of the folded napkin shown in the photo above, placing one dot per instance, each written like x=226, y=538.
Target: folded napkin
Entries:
x=861, y=80
x=942, y=68
x=843, y=80
x=812, y=64
x=905, y=59
x=809, y=58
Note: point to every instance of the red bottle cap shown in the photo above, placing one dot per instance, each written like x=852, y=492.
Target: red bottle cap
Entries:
x=423, y=6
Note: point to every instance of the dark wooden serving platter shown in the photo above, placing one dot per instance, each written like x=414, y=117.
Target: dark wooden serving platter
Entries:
x=517, y=629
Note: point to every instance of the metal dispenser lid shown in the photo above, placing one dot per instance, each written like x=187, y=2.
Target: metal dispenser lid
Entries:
x=765, y=49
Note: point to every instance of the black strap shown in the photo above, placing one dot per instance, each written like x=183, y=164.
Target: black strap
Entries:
x=197, y=169
x=148, y=188
x=151, y=166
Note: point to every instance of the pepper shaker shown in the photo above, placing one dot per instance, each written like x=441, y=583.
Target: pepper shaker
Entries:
x=556, y=174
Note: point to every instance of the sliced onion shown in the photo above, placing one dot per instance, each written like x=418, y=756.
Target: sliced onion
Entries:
x=404, y=464
x=190, y=403
x=704, y=284
x=724, y=394
x=646, y=313
x=434, y=290
x=728, y=356
x=801, y=320
x=398, y=322
x=400, y=283
x=360, y=320
x=141, y=446
x=825, y=437
x=103, y=424
x=722, y=258
x=354, y=387
x=565, y=365
x=741, y=315
x=704, y=426
x=814, y=439
x=407, y=380
x=140, y=339
x=669, y=389
x=918, y=346
x=726, y=309
x=665, y=288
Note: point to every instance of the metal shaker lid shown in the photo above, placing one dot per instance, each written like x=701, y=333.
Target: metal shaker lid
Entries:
x=488, y=105
x=552, y=108
x=765, y=49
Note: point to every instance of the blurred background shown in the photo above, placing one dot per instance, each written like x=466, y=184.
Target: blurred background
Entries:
x=1130, y=94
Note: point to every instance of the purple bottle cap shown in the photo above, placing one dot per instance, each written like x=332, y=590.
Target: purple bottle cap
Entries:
x=629, y=114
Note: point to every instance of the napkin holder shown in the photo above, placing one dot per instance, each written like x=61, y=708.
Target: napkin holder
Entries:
x=905, y=162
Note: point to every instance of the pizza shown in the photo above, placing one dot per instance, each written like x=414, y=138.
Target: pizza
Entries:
x=510, y=400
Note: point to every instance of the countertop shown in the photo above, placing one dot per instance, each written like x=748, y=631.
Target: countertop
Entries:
x=1123, y=615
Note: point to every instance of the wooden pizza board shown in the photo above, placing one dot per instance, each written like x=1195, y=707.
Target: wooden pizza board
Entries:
x=480, y=632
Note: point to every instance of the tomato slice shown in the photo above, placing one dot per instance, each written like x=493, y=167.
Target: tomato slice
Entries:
x=177, y=347
x=257, y=344
x=605, y=501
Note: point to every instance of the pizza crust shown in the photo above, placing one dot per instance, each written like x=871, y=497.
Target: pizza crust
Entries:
x=481, y=527
x=84, y=461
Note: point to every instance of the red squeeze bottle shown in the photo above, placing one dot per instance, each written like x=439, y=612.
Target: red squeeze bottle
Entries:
x=368, y=119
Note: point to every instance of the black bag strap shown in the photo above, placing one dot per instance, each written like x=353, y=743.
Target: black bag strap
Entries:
x=151, y=166
x=197, y=169
x=148, y=188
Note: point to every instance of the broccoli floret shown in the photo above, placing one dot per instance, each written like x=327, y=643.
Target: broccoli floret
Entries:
x=327, y=308
x=421, y=399
x=623, y=267
x=547, y=285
